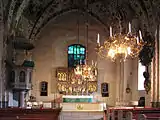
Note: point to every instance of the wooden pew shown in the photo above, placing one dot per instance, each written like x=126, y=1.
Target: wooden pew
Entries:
x=150, y=113
x=29, y=114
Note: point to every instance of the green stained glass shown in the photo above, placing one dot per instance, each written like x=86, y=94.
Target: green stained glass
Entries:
x=78, y=56
x=75, y=57
x=82, y=57
x=82, y=51
x=70, y=50
x=78, y=53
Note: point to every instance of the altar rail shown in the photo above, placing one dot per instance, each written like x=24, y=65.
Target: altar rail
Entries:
x=29, y=114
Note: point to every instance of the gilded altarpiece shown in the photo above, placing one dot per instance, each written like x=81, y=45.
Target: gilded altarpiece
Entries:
x=70, y=84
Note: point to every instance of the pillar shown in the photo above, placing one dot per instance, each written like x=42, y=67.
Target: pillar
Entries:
x=1, y=55
x=155, y=80
x=153, y=83
x=123, y=76
x=22, y=100
x=158, y=65
x=118, y=80
x=127, y=80
x=122, y=82
x=134, y=82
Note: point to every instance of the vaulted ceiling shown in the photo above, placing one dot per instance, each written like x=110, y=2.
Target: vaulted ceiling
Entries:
x=29, y=17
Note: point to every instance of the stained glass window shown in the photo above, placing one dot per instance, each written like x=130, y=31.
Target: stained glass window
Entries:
x=76, y=55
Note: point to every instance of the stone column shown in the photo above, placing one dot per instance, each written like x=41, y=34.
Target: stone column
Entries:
x=118, y=82
x=158, y=66
x=153, y=83
x=22, y=102
x=122, y=86
x=1, y=55
x=134, y=82
x=127, y=79
x=155, y=80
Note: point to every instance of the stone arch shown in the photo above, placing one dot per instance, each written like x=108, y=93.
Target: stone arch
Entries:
x=14, y=16
x=35, y=30
x=54, y=7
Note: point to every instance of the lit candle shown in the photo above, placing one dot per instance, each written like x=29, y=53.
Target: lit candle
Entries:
x=110, y=31
x=92, y=62
x=137, y=39
x=129, y=27
x=140, y=35
x=98, y=41
x=95, y=63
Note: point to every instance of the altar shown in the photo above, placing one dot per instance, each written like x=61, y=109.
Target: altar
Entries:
x=78, y=101
x=81, y=107
x=81, y=103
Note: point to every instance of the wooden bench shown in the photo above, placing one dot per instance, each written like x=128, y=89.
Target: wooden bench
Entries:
x=150, y=113
x=29, y=114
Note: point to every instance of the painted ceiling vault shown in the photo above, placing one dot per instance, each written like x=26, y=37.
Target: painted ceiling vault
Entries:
x=29, y=17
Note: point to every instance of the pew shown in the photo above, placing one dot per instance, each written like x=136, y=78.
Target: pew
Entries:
x=134, y=113
x=29, y=114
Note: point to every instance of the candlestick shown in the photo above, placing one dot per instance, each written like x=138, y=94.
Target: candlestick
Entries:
x=110, y=31
x=130, y=27
x=140, y=35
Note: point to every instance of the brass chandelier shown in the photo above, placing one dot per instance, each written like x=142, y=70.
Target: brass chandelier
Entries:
x=86, y=72
x=121, y=46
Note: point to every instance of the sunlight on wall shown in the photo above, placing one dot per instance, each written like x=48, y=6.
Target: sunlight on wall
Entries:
x=141, y=78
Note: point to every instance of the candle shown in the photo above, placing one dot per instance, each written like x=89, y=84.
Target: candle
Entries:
x=95, y=63
x=110, y=31
x=140, y=35
x=98, y=41
x=92, y=62
x=137, y=39
x=130, y=27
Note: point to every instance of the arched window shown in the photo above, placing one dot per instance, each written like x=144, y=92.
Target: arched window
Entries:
x=44, y=88
x=12, y=76
x=76, y=55
x=22, y=76
x=141, y=78
x=30, y=77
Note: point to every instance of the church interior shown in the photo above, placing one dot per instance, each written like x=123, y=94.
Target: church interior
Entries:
x=79, y=59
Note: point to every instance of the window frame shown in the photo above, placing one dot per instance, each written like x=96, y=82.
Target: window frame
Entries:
x=73, y=61
x=43, y=84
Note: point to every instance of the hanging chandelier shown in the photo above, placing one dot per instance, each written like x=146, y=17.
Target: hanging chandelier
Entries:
x=86, y=72
x=121, y=46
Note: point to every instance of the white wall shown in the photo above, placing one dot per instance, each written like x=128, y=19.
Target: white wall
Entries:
x=51, y=52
